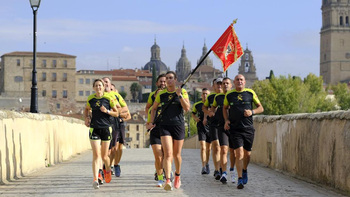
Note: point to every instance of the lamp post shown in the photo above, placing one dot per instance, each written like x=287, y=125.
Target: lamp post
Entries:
x=34, y=93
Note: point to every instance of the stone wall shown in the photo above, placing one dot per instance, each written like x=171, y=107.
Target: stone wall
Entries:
x=315, y=146
x=30, y=142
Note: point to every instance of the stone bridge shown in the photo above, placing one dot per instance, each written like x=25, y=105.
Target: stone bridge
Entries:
x=306, y=154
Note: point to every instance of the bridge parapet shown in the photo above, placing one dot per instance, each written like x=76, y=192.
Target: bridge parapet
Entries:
x=310, y=146
x=29, y=142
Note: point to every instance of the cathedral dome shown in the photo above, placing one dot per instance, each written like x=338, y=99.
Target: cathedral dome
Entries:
x=159, y=65
x=156, y=61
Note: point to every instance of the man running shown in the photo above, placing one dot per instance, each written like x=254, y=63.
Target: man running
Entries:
x=155, y=132
x=238, y=114
x=213, y=131
x=118, y=134
x=203, y=131
x=223, y=135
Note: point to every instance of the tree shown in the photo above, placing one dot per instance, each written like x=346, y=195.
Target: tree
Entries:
x=271, y=74
x=154, y=78
x=135, y=88
x=285, y=95
x=123, y=94
x=342, y=95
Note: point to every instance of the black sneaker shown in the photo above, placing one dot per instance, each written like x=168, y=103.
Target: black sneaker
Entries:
x=208, y=169
x=156, y=176
x=204, y=170
x=240, y=183
x=217, y=175
x=223, y=178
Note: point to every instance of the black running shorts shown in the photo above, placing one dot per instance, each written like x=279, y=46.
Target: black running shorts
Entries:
x=223, y=136
x=175, y=131
x=121, y=133
x=203, y=133
x=213, y=132
x=115, y=128
x=155, y=136
x=104, y=134
x=242, y=137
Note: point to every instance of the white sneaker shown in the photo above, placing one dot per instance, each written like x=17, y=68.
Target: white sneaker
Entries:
x=160, y=183
x=233, y=178
x=168, y=186
x=95, y=185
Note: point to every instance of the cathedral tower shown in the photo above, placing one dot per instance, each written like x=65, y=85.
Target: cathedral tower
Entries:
x=183, y=66
x=247, y=68
x=335, y=41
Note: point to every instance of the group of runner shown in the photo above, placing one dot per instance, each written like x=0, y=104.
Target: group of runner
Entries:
x=224, y=123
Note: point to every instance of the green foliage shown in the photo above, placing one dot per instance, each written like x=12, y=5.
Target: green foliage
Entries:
x=271, y=74
x=123, y=94
x=342, y=95
x=193, y=124
x=285, y=95
x=134, y=89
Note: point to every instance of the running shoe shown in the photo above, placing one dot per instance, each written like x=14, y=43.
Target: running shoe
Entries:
x=168, y=186
x=223, y=178
x=160, y=183
x=208, y=169
x=204, y=170
x=95, y=185
x=117, y=170
x=233, y=178
x=155, y=176
x=171, y=176
x=112, y=170
x=108, y=177
x=177, y=182
x=100, y=177
x=245, y=177
x=240, y=184
x=217, y=175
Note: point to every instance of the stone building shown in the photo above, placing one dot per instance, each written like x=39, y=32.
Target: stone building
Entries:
x=156, y=61
x=183, y=66
x=335, y=41
x=55, y=76
x=121, y=78
x=83, y=83
x=247, y=68
x=206, y=72
x=136, y=132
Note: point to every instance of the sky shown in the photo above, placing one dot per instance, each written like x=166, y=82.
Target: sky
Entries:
x=284, y=36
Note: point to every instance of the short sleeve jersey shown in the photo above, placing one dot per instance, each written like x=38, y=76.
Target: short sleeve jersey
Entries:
x=119, y=98
x=208, y=103
x=219, y=104
x=238, y=102
x=173, y=115
x=150, y=101
x=197, y=110
x=151, y=98
x=100, y=119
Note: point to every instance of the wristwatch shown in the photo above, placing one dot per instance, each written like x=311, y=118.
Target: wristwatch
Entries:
x=180, y=97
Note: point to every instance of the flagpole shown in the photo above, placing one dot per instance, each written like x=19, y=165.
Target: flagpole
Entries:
x=194, y=70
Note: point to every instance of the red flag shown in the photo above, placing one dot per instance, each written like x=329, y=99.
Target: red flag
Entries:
x=228, y=48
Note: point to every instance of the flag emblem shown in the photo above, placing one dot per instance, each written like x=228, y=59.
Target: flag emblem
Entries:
x=228, y=48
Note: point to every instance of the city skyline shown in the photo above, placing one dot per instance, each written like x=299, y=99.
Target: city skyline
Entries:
x=283, y=37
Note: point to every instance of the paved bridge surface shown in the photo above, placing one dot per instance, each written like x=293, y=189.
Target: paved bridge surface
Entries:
x=74, y=178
